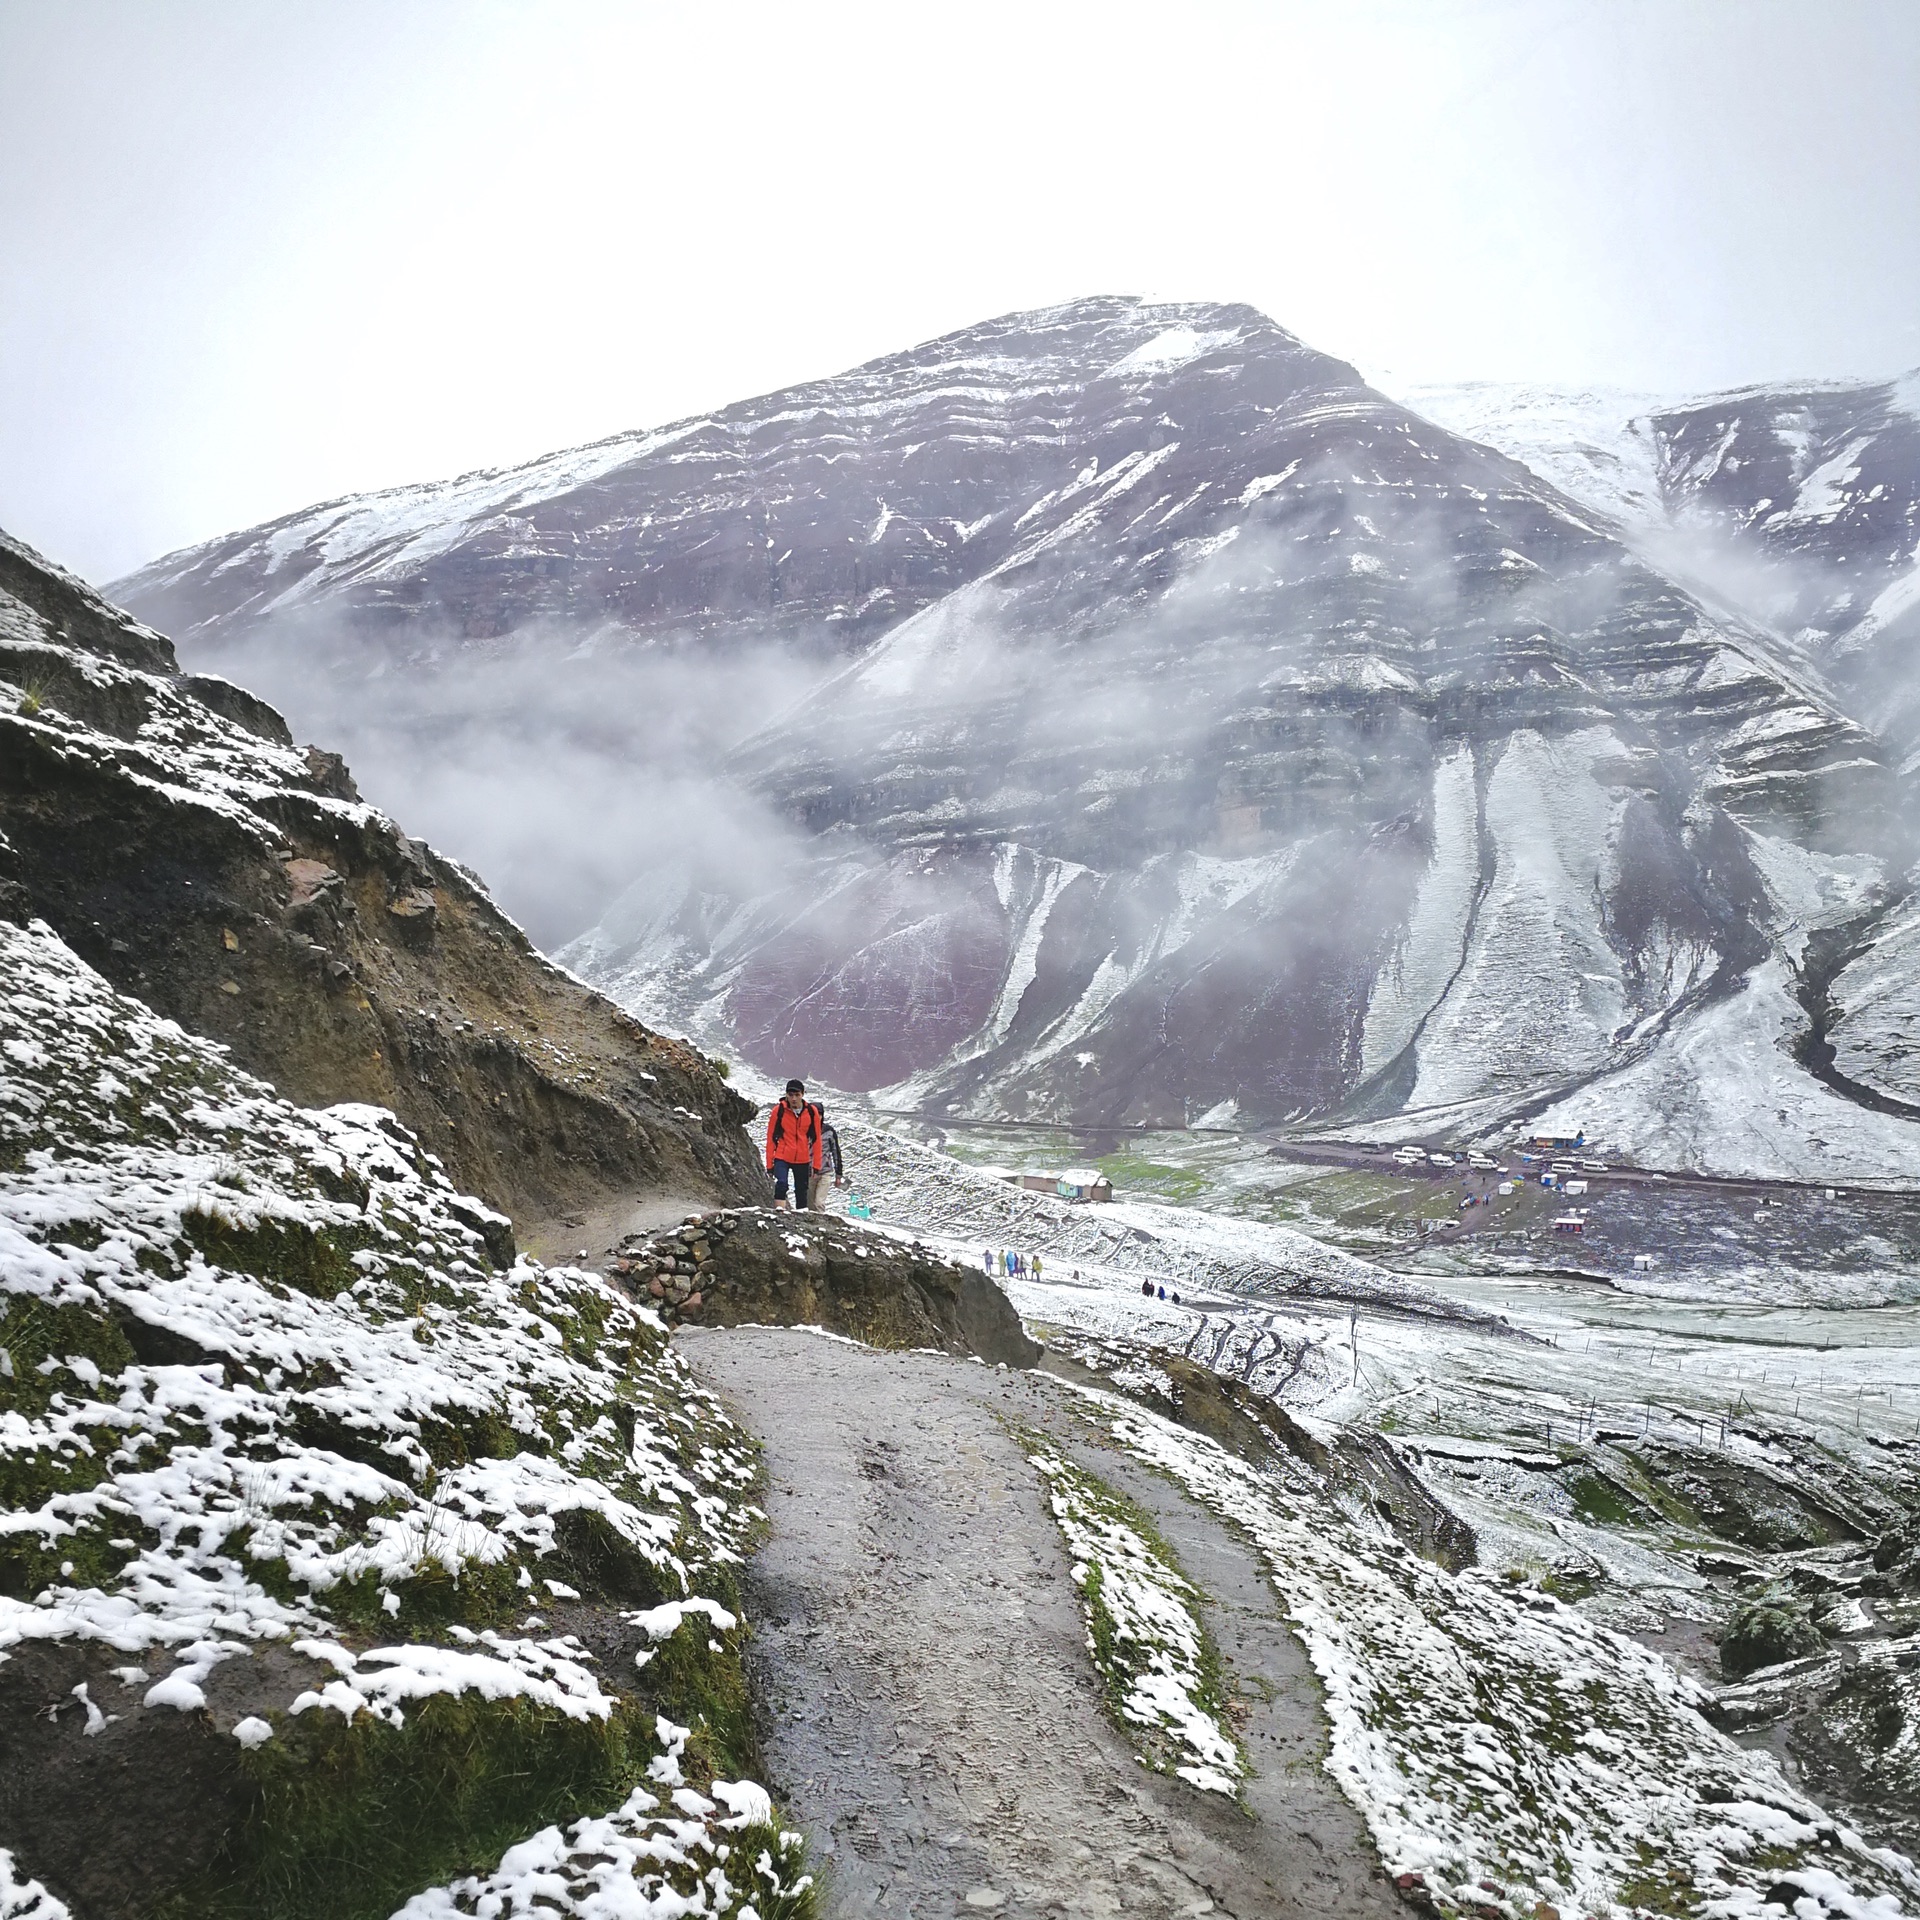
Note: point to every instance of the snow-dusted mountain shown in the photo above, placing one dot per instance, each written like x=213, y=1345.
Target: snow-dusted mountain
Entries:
x=1799, y=504
x=1210, y=734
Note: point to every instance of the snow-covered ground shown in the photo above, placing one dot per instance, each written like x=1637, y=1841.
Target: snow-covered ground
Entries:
x=264, y=1384
x=1505, y=1749
x=1591, y=442
x=1142, y=1629
x=1109, y=1246
x=1726, y=1096
x=1494, y=1390
x=319, y=1280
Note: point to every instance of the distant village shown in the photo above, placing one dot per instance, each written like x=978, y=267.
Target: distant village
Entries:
x=1555, y=1160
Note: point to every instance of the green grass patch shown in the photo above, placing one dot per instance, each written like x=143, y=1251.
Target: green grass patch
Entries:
x=350, y=1818
x=310, y=1259
x=1596, y=1498
x=1140, y=1175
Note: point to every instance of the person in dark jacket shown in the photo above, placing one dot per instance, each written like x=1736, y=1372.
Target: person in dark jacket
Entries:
x=794, y=1149
x=830, y=1161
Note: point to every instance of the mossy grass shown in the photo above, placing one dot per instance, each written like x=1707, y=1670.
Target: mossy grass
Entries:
x=1598, y=1498
x=350, y=1818
x=1118, y=1658
x=33, y=1332
x=313, y=1260
x=1135, y=1171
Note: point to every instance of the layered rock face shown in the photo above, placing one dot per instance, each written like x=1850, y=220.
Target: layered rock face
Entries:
x=1216, y=736
x=835, y=508
x=1823, y=483
x=1798, y=505
x=168, y=829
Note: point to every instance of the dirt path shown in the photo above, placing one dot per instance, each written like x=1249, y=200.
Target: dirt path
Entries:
x=589, y=1232
x=931, y=1711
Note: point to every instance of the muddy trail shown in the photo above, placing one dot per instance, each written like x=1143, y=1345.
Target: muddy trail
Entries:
x=931, y=1711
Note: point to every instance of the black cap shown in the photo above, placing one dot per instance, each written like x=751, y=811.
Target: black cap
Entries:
x=796, y=1086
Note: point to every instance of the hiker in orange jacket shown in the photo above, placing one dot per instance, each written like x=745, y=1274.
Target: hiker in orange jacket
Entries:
x=794, y=1147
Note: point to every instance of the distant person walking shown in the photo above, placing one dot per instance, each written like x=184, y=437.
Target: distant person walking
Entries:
x=794, y=1149
x=829, y=1158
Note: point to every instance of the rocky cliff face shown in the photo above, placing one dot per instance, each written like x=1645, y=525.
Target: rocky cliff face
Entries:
x=1798, y=506
x=1216, y=736
x=835, y=508
x=1821, y=485
x=170, y=832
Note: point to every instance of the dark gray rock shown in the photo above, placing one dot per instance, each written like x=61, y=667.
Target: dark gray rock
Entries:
x=1766, y=1632
x=770, y=1267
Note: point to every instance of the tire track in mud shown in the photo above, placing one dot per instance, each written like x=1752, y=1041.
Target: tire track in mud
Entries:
x=929, y=1709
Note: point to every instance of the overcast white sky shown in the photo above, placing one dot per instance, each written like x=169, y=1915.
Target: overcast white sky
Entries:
x=255, y=255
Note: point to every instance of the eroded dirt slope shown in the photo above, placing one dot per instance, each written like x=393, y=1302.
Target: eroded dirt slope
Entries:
x=170, y=831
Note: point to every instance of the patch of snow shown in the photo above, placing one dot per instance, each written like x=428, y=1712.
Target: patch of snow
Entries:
x=1421, y=967
x=1266, y=483
x=1724, y=1094
x=649, y=1859
x=1876, y=1026
x=1176, y=347
x=1142, y=1631
x=1539, y=990
x=1811, y=890
x=24, y=1898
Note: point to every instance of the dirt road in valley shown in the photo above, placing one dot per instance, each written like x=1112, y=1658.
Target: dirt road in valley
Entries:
x=931, y=1711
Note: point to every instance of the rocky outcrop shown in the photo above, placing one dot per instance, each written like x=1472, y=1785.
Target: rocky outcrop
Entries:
x=768, y=1267
x=1817, y=487
x=1797, y=503
x=171, y=833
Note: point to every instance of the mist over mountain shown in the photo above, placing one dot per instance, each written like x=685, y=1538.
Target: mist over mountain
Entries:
x=1797, y=503
x=1122, y=712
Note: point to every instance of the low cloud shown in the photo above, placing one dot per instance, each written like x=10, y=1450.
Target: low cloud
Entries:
x=560, y=773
